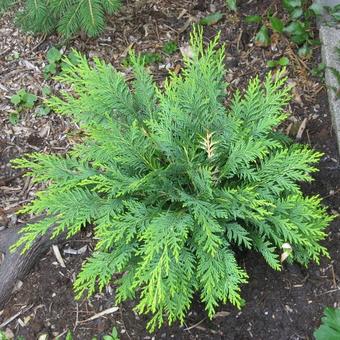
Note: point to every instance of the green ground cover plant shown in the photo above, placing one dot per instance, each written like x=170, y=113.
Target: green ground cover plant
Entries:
x=231, y=5
x=22, y=100
x=283, y=61
x=170, y=47
x=297, y=26
x=330, y=327
x=175, y=183
x=67, y=17
x=53, y=57
x=54, y=63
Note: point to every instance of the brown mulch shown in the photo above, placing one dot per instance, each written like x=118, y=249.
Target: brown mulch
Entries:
x=281, y=305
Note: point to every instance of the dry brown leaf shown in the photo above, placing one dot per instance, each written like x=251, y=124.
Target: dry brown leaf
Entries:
x=221, y=314
x=58, y=256
x=287, y=250
x=301, y=129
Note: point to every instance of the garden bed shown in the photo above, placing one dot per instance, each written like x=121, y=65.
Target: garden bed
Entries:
x=281, y=305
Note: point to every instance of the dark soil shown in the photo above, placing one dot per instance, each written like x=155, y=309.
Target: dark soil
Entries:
x=279, y=305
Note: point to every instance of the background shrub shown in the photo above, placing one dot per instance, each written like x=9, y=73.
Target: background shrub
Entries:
x=175, y=183
x=65, y=16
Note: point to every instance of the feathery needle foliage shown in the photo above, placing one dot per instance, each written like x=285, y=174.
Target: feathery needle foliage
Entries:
x=65, y=16
x=174, y=182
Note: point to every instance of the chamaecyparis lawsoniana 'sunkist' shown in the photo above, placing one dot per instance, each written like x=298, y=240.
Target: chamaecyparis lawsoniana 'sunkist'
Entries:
x=174, y=182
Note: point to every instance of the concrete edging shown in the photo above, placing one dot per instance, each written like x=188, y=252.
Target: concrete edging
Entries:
x=330, y=39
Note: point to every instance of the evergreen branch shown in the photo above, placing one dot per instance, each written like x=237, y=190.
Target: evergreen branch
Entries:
x=172, y=181
x=68, y=16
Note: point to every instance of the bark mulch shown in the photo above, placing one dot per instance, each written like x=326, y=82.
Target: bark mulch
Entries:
x=280, y=305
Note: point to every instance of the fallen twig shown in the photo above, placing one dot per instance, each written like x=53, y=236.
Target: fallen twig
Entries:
x=99, y=315
x=12, y=318
x=58, y=256
x=195, y=325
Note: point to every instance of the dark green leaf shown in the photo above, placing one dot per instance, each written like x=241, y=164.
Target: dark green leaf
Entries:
x=151, y=58
x=271, y=63
x=46, y=91
x=277, y=24
x=114, y=332
x=231, y=4
x=317, y=8
x=30, y=100
x=53, y=55
x=291, y=4
x=262, y=37
x=296, y=13
x=170, y=47
x=211, y=19
x=69, y=336
x=43, y=111
x=253, y=19
x=50, y=69
x=73, y=58
x=330, y=328
x=304, y=51
x=283, y=61
x=335, y=12
x=314, y=42
x=318, y=70
x=22, y=93
x=300, y=39
x=16, y=99
x=14, y=118
x=295, y=27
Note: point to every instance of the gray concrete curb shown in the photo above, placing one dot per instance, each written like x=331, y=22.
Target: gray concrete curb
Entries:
x=330, y=39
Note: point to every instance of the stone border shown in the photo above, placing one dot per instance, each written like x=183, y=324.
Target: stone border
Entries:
x=330, y=39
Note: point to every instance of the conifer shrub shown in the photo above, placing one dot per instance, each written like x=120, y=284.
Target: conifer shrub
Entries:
x=66, y=16
x=175, y=184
